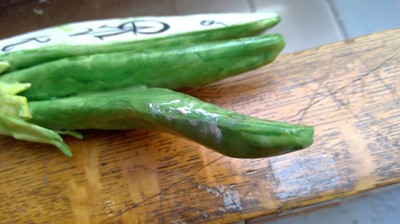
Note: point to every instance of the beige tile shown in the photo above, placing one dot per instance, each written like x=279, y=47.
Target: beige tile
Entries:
x=305, y=24
x=361, y=17
x=211, y=6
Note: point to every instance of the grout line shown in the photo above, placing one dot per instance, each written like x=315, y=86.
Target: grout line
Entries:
x=251, y=5
x=336, y=17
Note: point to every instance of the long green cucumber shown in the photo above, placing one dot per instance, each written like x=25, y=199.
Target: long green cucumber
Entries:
x=227, y=132
x=171, y=68
x=27, y=58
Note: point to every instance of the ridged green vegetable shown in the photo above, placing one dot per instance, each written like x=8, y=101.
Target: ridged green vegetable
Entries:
x=227, y=132
x=172, y=68
x=126, y=85
x=32, y=57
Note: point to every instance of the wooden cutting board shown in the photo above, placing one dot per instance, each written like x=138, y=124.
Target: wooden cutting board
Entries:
x=350, y=92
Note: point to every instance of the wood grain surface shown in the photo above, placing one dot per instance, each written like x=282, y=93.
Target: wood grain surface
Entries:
x=350, y=92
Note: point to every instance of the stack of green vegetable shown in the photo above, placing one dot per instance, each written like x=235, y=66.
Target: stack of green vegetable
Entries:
x=60, y=89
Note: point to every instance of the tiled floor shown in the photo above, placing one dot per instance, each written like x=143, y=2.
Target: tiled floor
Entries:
x=376, y=207
x=361, y=17
x=305, y=24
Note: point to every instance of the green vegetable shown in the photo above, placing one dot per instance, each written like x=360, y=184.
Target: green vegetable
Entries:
x=27, y=58
x=121, y=86
x=158, y=109
x=20, y=129
x=4, y=66
x=14, y=112
x=171, y=68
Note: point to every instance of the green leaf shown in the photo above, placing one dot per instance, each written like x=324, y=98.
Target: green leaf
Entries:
x=14, y=112
x=4, y=66
x=13, y=88
x=22, y=130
